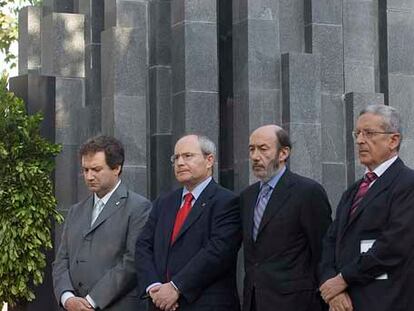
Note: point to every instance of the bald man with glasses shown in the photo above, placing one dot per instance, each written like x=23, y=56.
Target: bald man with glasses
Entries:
x=368, y=255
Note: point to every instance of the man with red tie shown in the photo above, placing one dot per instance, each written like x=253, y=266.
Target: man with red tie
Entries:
x=186, y=255
x=368, y=254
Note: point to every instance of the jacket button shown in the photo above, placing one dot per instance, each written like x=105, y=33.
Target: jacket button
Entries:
x=80, y=284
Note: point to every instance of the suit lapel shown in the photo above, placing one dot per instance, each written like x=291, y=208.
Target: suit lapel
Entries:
x=169, y=218
x=278, y=198
x=343, y=217
x=203, y=202
x=116, y=201
x=251, y=199
x=378, y=187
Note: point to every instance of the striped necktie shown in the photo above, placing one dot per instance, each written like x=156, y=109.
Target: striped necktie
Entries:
x=97, y=209
x=362, y=190
x=260, y=208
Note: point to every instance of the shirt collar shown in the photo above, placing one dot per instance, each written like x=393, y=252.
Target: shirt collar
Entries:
x=275, y=179
x=107, y=196
x=198, y=189
x=380, y=169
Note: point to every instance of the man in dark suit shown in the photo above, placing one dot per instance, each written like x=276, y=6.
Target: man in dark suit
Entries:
x=186, y=254
x=94, y=266
x=368, y=254
x=284, y=217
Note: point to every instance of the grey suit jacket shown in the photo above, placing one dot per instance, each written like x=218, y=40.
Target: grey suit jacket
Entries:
x=99, y=260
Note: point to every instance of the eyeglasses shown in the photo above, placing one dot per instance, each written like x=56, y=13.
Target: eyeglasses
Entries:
x=368, y=134
x=187, y=157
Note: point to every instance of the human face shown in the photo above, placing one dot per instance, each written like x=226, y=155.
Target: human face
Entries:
x=99, y=177
x=265, y=157
x=380, y=147
x=191, y=170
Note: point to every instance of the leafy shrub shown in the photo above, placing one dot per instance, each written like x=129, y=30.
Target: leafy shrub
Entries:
x=27, y=203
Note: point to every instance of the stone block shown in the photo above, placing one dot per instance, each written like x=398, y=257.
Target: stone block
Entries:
x=400, y=42
x=58, y=6
x=125, y=117
x=406, y=151
x=183, y=11
x=400, y=4
x=257, y=10
x=29, y=39
x=124, y=53
x=359, y=78
x=305, y=158
x=94, y=19
x=126, y=13
x=63, y=45
x=194, y=51
x=39, y=94
x=239, y=11
x=265, y=107
x=326, y=40
x=333, y=128
x=240, y=57
x=161, y=168
x=360, y=32
x=70, y=95
x=66, y=176
x=160, y=33
x=160, y=100
x=93, y=75
x=401, y=96
x=323, y=12
x=263, y=54
x=135, y=177
x=301, y=87
x=291, y=21
x=334, y=182
x=196, y=112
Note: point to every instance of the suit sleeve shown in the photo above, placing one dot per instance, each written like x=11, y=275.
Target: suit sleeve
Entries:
x=392, y=247
x=315, y=219
x=219, y=255
x=61, y=277
x=121, y=278
x=144, y=252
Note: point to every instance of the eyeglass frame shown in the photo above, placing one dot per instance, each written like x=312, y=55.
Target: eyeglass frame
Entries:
x=369, y=134
x=190, y=155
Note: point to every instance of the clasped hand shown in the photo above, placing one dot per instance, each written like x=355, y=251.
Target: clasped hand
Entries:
x=333, y=293
x=164, y=297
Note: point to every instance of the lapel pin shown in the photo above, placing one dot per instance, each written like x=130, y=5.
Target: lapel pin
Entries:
x=117, y=203
x=203, y=204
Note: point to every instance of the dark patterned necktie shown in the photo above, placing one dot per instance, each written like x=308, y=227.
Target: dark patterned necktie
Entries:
x=260, y=208
x=363, y=189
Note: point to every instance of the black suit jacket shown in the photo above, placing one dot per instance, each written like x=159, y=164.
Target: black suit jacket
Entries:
x=283, y=259
x=386, y=215
x=202, y=260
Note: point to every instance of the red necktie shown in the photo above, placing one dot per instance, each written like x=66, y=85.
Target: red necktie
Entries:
x=363, y=189
x=181, y=216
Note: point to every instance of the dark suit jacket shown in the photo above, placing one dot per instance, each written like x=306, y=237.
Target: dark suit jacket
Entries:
x=281, y=264
x=99, y=260
x=202, y=260
x=386, y=215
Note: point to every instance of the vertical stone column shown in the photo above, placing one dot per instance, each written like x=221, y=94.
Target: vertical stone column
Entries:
x=324, y=36
x=59, y=6
x=360, y=27
x=301, y=113
x=400, y=51
x=30, y=18
x=124, y=54
x=194, y=67
x=160, y=95
x=256, y=63
x=354, y=103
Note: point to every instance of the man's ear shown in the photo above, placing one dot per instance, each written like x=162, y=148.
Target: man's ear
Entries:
x=210, y=160
x=395, y=141
x=284, y=153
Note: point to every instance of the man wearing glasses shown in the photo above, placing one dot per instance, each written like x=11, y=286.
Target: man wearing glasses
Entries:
x=368, y=254
x=186, y=254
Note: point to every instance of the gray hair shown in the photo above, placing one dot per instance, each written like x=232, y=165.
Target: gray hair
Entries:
x=207, y=145
x=392, y=119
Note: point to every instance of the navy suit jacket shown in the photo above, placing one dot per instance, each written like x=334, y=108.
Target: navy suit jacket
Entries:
x=386, y=215
x=202, y=260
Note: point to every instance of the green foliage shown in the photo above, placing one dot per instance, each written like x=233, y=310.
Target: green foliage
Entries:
x=27, y=203
x=8, y=26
